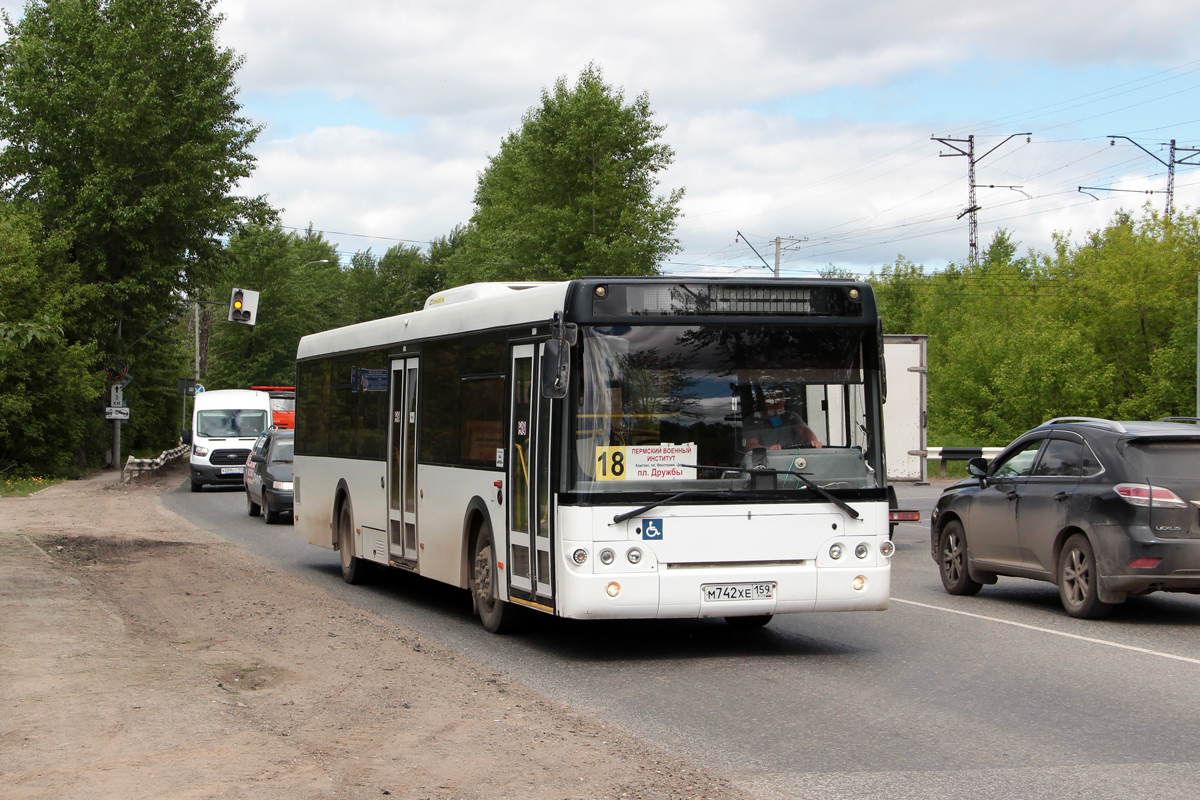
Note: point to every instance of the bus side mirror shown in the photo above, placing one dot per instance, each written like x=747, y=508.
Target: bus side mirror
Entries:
x=556, y=366
x=556, y=358
x=186, y=437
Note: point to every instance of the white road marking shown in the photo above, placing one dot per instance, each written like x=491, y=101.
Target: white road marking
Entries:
x=1052, y=631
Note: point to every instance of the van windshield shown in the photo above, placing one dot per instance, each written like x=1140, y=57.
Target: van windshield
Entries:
x=230, y=423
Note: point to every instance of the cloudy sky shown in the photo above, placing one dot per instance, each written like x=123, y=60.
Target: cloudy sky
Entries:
x=806, y=119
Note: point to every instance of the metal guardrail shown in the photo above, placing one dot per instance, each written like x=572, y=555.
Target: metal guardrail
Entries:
x=935, y=454
x=136, y=466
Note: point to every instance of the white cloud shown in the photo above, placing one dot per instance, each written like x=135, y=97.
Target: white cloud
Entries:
x=419, y=58
x=466, y=71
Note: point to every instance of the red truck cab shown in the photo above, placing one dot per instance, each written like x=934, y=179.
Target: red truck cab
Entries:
x=283, y=405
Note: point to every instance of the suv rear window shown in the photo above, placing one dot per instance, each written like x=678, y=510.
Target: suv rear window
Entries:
x=1169, y=459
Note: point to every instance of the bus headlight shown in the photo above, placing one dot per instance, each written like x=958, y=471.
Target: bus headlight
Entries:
x=887, y=548
x=634, y=555
x=862, y=551
x=607, y=556
x=859, y=583
x=579, y=556
x=835, y=552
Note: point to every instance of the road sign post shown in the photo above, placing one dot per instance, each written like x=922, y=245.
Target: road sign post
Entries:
x=116, y=409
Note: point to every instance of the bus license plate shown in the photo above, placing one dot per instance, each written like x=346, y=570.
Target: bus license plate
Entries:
x=232, y=470
x=720, y=592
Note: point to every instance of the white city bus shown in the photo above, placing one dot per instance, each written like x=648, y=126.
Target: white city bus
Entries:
x=607, y=447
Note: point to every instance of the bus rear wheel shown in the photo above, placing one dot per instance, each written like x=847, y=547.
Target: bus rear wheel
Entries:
x=497, y=616
x=354, y=569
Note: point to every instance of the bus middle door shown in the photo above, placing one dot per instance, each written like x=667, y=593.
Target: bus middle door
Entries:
x=402, y=465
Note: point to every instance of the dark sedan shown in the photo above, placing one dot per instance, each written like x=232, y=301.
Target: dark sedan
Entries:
x=269, y=476
x=1105, y=510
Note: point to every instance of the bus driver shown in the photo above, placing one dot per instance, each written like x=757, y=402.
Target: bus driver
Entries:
x=775, y=427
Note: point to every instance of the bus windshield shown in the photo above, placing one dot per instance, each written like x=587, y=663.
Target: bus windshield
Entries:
x=715, y=408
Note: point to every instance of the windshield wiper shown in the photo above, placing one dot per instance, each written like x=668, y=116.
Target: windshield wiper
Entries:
x=842, y=504
x=631, y=514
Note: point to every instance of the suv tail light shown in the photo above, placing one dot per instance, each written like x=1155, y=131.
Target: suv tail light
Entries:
x=1140, y=494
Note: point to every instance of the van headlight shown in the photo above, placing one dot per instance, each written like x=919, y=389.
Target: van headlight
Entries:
x=197, y=450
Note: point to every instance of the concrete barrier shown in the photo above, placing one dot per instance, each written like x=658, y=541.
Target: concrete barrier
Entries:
x=136, y=466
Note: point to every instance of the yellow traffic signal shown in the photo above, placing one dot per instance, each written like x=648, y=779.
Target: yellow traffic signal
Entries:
x=243, y=306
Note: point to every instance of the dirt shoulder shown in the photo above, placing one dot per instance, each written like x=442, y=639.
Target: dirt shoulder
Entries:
x=141, y=657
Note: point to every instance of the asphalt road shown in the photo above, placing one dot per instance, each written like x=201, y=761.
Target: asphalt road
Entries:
x=996, y=696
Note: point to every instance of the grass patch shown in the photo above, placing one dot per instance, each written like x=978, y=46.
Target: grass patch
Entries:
x=23, y=487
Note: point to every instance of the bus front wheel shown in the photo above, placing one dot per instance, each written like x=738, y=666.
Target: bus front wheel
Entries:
x=354, y=569
x=497, y=616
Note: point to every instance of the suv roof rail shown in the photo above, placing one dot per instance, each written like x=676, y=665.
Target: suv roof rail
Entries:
x=1096, y=421
x=1180, y=419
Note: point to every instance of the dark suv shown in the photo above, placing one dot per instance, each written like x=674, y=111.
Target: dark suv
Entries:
x=1103, y=509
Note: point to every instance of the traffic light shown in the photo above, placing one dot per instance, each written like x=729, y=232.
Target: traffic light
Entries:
x=243, y=306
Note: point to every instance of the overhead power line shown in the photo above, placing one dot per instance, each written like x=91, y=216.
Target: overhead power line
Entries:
x=972, y=160
x=1170, y=164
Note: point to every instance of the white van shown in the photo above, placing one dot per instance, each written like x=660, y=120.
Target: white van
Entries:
x=225, y=424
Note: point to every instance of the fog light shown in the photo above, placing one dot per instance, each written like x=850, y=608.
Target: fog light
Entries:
x=613, y=589
x=886, y=548
x=606, y=556
x=860, y=583
x=835, y=552
x=634, y=555
x=579, y=555
x=862, y=551
x=854, y=294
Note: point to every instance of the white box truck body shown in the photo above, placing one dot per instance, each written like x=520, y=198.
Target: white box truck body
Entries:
x=904, y=415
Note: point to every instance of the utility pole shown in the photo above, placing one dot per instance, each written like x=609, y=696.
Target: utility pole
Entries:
x=780, y=247
x=1170, y=164
x=972, y=205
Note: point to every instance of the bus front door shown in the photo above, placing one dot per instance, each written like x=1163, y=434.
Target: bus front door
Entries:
x=528, y=481
x=402, y=465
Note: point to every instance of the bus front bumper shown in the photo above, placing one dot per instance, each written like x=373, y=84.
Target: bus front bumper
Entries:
x=688, y=592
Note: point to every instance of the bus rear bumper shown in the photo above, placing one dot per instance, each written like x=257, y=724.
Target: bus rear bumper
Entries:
x=681, y=592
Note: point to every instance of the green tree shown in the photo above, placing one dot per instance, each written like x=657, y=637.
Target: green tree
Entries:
x=48, y=385
x=1103, y=328
x=302, y=290
x=122, y=131
x=572, y=192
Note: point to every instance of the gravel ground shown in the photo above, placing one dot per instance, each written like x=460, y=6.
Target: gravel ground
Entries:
x=141, y=657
